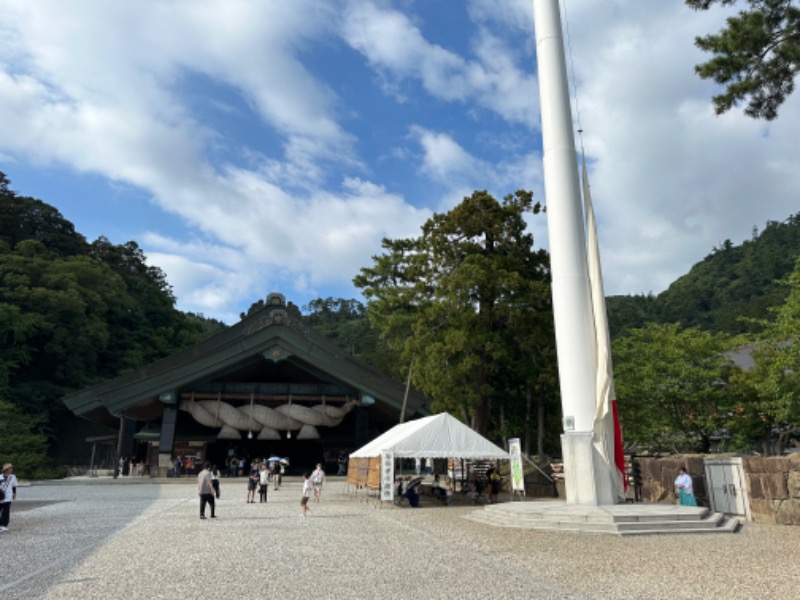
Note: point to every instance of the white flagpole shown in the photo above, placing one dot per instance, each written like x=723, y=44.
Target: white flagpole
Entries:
x=587, y=479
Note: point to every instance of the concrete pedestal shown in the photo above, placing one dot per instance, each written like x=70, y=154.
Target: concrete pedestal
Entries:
x=586, y=477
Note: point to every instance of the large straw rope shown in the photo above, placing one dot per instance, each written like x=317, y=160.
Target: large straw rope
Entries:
x=289, y=417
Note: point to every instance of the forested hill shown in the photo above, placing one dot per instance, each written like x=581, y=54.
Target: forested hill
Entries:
x=731, y=283
x=73, y=313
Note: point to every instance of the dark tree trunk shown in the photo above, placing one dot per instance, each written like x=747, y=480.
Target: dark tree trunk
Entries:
x=540, y=425
x=527, y=445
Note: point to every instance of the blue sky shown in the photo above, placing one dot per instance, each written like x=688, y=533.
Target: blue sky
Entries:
x=251, y=147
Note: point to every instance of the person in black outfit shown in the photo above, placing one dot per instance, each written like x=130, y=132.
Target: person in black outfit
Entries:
x=412, y=493
x=636, y=470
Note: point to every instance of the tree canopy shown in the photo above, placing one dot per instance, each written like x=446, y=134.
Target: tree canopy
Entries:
x=673, y=386
x=756, y=56
x=346, y=324
x=467, y=305
x=773, y=409
x=73, y=314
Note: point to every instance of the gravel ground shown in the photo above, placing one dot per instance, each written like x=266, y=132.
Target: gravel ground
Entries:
x=109, y=539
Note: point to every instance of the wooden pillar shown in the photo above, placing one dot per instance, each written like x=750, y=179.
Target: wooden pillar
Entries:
x=127, y=429
x=166, y=442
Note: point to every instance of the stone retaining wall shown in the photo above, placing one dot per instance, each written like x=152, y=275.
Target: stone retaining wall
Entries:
x=773, y=484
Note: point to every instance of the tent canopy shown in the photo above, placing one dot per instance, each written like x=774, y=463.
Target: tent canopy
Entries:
x=437, y=436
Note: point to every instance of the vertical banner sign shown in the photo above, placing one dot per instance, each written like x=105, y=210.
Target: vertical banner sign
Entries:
x=517, y=477
x=387, y=475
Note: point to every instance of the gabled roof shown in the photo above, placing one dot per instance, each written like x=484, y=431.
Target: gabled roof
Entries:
x=268, y=336
x=437, y=436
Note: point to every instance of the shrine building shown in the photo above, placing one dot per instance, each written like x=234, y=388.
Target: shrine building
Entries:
x=267, y=386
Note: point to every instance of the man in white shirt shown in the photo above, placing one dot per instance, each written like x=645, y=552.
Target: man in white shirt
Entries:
x=8, y=493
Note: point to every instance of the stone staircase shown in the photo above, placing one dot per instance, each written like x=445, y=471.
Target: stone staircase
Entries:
x=621, y=519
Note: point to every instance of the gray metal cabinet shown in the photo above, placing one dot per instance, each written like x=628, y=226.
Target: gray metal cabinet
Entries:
x=726, y=488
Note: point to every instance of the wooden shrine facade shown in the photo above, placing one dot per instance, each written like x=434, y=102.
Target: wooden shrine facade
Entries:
x=268, y=384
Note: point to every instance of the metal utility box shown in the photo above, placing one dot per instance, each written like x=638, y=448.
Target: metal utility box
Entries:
x=727, y=492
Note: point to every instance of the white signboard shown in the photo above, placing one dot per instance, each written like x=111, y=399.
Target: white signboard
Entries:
x=387, y=475
x=517, y=475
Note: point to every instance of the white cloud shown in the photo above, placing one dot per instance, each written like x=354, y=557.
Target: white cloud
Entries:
x=396, y=48
x=670, y=180
x=443, y=158
x=270, y=241
x=298, y=203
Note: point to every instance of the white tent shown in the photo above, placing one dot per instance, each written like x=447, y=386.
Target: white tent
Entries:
x=437, y=436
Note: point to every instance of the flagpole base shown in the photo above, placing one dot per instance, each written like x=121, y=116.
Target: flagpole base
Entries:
x=586, y=478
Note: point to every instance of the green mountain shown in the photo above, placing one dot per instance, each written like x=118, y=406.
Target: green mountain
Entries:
x=724, y=292
x=74, y=313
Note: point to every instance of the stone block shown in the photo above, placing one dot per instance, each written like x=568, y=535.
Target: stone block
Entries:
x=767, y=486
x=763, y=511
x=793, y=484
x=788, y=512
x=651, y=468
x=694, y=465
x=761, y=464
x=654, y=491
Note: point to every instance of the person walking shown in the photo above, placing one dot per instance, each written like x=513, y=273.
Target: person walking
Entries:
x=263, y=483
x=342, y=465
x=306, y=494
x=317, y=480
x=234, y=462
x=684, y=488
x=252, y=482
x=205, y=489
x=8, y=493
x=276, y=475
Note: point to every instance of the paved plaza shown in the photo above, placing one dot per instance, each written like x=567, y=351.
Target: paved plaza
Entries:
x=143, y=539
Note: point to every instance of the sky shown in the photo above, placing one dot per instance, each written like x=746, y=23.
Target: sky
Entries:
x=251, y=147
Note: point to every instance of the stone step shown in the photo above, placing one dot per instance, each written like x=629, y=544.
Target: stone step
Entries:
x=615, y=520
x=727, y=525
x=710, y=521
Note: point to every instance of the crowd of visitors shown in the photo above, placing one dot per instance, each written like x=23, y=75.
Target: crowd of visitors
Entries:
x=261, y=473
